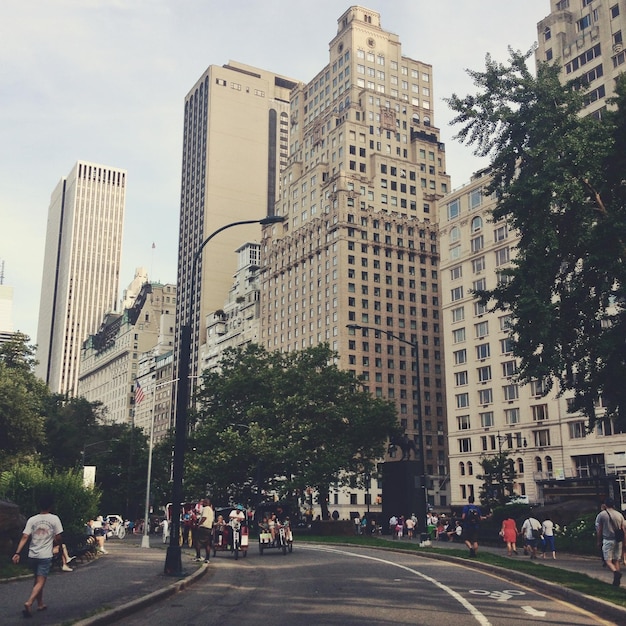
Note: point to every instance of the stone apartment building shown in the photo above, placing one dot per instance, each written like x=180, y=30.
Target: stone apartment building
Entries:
x=237, y=323
x=359, y=245
x=488, y=412
x=110, y=357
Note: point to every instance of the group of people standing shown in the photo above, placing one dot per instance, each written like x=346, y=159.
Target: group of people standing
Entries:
x=402, y=526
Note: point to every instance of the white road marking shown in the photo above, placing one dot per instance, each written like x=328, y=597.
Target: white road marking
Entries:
x=533, y=612
x=471, y=609
x=500, y=596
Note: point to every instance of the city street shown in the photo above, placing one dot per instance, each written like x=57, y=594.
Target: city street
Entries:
x=324, y=585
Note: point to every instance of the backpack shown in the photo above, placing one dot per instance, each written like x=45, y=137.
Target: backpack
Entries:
x=473, y=516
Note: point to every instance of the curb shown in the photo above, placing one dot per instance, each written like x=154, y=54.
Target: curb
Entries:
x=116, y=614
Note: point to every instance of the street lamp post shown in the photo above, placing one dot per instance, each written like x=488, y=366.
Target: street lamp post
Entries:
x=145, y=540
x=173, y=558
x=501, y=439
x=422, y=508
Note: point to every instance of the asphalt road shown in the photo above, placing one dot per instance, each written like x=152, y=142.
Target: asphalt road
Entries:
x=325, y=585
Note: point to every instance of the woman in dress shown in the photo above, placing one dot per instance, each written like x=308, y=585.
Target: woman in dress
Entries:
x=509, y=535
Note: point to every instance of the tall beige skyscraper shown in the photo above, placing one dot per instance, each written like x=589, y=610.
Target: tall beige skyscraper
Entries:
x=359, y=244
x=235, y=143
x=81, y=267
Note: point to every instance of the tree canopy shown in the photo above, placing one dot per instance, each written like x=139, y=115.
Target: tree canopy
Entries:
x=558, y=176
x=22, y=396
x=498, y=479
x=284, y=422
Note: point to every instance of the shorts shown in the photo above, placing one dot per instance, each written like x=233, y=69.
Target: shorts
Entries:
x=611, y=550
x=203, y=536
x=40, y=567
x=531, y=543
x=470, y=534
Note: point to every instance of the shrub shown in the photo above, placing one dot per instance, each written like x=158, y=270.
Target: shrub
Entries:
x=74, y=503
x=578, y=536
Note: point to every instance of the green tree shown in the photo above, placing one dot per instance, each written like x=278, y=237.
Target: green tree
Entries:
x=22, y=396
x=285, y=422
x=498, y=479
x=121, y=460
x=71, y=424
x=559, y=180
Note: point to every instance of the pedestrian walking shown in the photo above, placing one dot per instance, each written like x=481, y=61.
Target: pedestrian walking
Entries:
x=509, y=533
x=547, y=529
x=165, y=526
x=610, y=534
x=531, y=532
x=44, y=531
x=471, y=518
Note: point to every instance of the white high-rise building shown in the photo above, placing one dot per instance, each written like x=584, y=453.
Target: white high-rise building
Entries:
x=81, y=267
x=585, y=38
x=553, y=455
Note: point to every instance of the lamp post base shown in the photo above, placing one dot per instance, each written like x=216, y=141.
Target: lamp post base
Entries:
x=173, y=561
x=145, y=541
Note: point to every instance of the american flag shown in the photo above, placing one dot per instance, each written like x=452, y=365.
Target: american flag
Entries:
x=139, y=394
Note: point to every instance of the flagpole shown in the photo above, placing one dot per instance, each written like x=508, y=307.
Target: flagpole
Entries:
x=145, y=540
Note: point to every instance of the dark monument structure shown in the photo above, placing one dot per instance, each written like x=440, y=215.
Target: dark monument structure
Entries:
x=403, y=493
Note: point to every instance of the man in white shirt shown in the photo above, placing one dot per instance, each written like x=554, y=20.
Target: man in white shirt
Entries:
x=393, y=522
x=44, y=531
x=531, y=531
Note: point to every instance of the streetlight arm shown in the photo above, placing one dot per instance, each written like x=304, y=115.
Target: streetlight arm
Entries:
x=270, y=219
x=386, y=332
x=173, y=559
x=421, y=468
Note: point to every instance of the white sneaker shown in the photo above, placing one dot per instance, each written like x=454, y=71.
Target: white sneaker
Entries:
x=65, y=568
x=70, y=559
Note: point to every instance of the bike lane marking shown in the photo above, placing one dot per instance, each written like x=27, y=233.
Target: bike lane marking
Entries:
x=500, y=596
x=471, y=609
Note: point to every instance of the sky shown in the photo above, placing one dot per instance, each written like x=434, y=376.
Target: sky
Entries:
x=105, y=81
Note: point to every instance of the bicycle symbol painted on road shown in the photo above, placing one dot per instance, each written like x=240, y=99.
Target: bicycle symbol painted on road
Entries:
x=500, y=596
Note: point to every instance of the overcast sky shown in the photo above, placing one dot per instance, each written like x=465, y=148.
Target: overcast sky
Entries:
x=105, y=81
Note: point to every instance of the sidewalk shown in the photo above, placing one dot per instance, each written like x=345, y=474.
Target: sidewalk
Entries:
x=105, y=589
